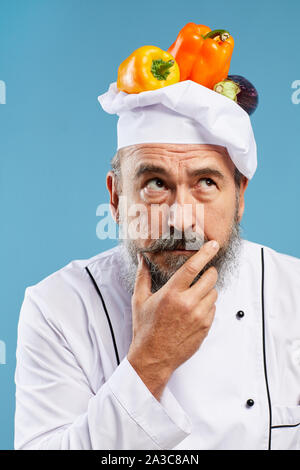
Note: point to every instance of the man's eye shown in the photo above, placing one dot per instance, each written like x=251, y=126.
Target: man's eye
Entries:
x=206, y=183
x=155, y=184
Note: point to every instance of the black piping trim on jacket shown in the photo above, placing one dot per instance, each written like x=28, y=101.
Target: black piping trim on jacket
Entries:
x=286, y=426
x=107, y=316
x=264, y=344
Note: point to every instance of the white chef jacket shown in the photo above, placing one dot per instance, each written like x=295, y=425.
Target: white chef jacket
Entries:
x=75, y=388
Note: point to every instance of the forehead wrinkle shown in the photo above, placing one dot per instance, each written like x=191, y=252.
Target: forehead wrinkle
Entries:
x=178, y=154
x=175, y=148
x=188, y=151
x=177, y=163
x=175, y=159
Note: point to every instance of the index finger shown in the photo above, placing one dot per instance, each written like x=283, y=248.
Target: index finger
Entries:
x=185, y=275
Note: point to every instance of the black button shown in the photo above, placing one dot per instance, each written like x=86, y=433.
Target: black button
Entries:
x=240, y=314
x=250, y=402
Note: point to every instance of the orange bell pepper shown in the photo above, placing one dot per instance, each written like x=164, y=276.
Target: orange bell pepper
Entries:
x=187, y=47
x=203, y=55
x=147, y=68
x=212, y=65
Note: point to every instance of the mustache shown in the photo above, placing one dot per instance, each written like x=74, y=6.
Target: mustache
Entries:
x=176, y=240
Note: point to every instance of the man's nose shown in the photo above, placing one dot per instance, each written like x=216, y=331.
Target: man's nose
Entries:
x=181, y=216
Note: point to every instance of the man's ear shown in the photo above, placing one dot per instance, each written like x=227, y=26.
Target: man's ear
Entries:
x=243, y=186
x=111, y=185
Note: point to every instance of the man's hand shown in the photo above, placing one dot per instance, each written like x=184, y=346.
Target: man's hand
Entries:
x=170, y=325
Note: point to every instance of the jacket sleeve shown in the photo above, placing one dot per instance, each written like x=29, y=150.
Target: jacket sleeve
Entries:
x=56, y=407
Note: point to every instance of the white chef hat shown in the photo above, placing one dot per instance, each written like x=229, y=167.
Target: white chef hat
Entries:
x=183, y=113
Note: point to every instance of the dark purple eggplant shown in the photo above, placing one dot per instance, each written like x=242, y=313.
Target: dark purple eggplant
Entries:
x=240, y=90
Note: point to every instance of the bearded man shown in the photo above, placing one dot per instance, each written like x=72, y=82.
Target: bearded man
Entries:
x=185, y=335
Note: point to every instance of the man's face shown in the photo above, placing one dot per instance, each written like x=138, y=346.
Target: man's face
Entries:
x=186, y=191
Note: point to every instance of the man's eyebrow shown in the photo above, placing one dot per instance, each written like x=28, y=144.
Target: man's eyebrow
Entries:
x=151, y=168
x=206, y=171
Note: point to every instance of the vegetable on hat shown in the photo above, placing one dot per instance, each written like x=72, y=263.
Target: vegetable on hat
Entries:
x=147, y=68
x=187, y=47
x=240, y=90
x=203, y=55
x=213, y=62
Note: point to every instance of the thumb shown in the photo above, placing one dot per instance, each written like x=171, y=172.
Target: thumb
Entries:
x=142, y=286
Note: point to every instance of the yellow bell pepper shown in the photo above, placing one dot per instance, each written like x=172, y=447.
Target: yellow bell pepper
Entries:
x=147, y=68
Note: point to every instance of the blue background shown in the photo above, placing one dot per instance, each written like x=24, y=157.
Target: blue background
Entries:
x=56, y=57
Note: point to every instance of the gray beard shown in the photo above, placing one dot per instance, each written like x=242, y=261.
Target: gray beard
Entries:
x=226, y=261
